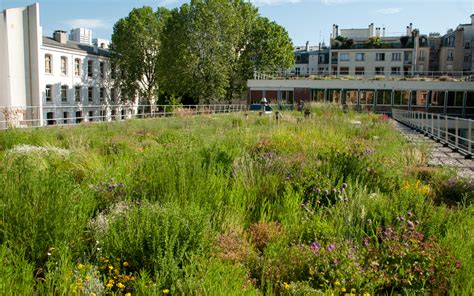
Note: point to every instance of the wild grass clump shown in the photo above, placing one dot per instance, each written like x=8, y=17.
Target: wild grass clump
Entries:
x=231, y=204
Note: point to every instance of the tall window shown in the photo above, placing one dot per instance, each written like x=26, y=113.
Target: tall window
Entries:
x=48, y=64
x=396, y=71
x=64, y=93
x=77, y=93
x=379, y=70
x=112, y=94
x=89, y=94
x=65, y=116
x=359, y=71
x=450, y=55
x=344, y=57
x=380, y=56
x=102, y=69
x=90, y=64
x=63, y=65
x=360, y=57
x=421, y=57
x=48, y=92
x=77, y=67
x=101, y=93
x=396, y=56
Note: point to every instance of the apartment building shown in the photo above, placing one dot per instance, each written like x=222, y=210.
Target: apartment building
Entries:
x=81, y=35
x=310, y=60
x=51, y=80
x=369, y=52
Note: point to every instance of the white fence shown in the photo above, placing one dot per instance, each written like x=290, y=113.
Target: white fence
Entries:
x=452, y=131
x=50, y=115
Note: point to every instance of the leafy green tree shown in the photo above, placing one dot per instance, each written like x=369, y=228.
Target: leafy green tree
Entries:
x=211, y=47
x=135, y=49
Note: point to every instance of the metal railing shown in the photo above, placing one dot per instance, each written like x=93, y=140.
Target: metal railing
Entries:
x=387, y=74
x=454, y=132
x=53, y=115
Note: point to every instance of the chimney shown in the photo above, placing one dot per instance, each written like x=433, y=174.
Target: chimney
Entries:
x=383, y=32
x=371, y=30
x=472, y=19
x=334, y=31
x=411, y=28
x=60, y=36
x=408, y=31
x=307, y=46
x=377, y=32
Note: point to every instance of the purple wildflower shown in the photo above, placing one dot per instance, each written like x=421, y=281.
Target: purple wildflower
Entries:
x=332, y=247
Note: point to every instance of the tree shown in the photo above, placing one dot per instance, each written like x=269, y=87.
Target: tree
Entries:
x=211, y=47
x=135, y=50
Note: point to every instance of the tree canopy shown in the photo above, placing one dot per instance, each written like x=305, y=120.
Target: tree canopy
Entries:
x=205, y=50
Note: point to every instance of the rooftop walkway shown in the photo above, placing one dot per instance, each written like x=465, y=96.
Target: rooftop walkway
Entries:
x=439, y=155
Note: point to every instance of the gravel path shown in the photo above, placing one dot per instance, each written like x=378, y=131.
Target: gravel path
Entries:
x=440, y=155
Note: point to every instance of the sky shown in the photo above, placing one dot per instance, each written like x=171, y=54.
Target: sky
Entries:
x=305, y=20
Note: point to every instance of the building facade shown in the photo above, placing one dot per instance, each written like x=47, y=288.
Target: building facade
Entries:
x=52, y=80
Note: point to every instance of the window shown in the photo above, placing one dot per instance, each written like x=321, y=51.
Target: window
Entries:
x=78, y=116
x=450, y=56
x=63, y=66
x=101, y=93
x=384, y=97
x=380, y=56
x=77, y=67
x=396, y=56
x=48, y=92
x=102, y=69
x=379, y=70
x=65, y=116
x=344, y=71
x=90, y=64
x=50, y=118
x=64, y=93
x=298, y=58
x=297, y=71
x=360, y=57
x=396, y=71
x=467, y=45
x=359, y=71
x=321, y=59
x=91, y=115
x=467, y=58
x=344, y=57
x=48, y=64
x=102, y=115
x=89, y=94
x=77, y=93
x=112, y=94
x=112, y=72
x=421, y=56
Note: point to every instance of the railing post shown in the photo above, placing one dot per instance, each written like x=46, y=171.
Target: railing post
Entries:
x=457, y=133
x=439, y=135
x=446, y=129
x=469, y=137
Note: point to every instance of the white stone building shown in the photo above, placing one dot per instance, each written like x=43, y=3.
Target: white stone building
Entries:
x=51, y=80
x=81, y=35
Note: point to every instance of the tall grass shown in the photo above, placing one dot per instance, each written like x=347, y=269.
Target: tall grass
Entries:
x=225, y=204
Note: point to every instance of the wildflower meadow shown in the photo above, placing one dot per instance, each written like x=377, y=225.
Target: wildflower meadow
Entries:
x=232, y=204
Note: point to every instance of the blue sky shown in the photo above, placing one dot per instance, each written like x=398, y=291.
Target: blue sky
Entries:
x=305, y=20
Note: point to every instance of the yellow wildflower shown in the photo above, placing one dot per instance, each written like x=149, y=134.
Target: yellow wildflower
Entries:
x=93, y=294
x=366, y=294
x=111, y=267
x=125, y=264
x=120, y=285
x=166, y=291
x=343, y=289
x=337, y=283
x=286, y=286
x=80, y=266
x=109, y=285
x=128, y=294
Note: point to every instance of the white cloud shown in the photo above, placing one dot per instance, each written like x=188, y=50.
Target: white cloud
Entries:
x=392, y=10
x=274, y=2
x=88, y=23
x=332, y=2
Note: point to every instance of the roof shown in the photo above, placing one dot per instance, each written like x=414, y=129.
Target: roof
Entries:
x=89, y=49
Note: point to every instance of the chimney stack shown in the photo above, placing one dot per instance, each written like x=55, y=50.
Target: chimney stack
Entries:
x=377, y=32
x=60, y=36
x=307, y=46
x=371, y=30
x=408, y=33
x=472, y=19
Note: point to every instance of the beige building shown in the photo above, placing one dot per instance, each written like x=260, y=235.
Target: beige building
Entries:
x=368, y=52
